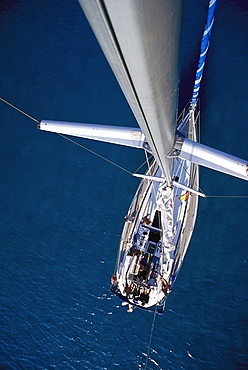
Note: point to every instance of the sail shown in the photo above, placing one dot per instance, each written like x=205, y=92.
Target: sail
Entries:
x=141, y=41
x=204, y=48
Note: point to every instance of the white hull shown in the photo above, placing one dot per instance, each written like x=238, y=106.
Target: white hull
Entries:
x=161, y=245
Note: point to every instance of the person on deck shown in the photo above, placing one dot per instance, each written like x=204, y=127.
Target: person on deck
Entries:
x=143, y=263
x=146, y=221
x=134, y=251
x=144, y=297
x=151, y=282
x=143, y=269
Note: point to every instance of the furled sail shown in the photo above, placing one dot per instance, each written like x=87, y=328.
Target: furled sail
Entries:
x=141, y=41
x=204, y=49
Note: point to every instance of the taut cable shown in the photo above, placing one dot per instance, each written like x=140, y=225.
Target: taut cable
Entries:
x=19, y=110
x=67, y=138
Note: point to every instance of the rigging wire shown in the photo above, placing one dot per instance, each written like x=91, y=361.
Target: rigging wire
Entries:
x=145, y=162
x=148, y=159
x=194, y=182
x=226, y=196
x=120, y=167
x=67, y=138
x=131, y=173
x=19, y=110
x=111, y=162
x=115, y=350
x=150, y=339
x=212, y=196
x=98, y=155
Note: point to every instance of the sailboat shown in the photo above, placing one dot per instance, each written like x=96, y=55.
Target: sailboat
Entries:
x=141, y=40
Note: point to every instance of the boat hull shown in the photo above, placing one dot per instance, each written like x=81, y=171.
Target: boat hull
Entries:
x=157, y=232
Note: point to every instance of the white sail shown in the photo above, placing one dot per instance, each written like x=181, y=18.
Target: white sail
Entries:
x=141, y=40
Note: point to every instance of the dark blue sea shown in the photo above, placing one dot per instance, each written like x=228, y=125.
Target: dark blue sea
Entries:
x=62, y=207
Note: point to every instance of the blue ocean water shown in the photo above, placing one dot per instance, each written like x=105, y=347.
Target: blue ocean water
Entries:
x=62, y=208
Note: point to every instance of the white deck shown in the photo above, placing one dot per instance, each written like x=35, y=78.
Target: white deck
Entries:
x=164, y=242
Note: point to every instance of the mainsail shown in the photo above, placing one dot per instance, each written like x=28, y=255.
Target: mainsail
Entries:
x=141, y=40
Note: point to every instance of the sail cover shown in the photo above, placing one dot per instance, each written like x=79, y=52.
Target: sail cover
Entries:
x=204, y=48
x=141, y=41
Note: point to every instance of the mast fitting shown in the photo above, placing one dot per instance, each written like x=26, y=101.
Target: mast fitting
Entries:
x=176, y=150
